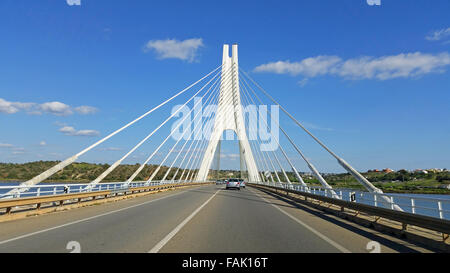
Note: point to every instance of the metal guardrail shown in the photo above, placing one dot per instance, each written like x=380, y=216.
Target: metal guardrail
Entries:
x=45, y=189
x=60, y=198
x=406, y=218
x=433, y=207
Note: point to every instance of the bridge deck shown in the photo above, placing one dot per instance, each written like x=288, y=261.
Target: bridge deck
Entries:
x=201, y=219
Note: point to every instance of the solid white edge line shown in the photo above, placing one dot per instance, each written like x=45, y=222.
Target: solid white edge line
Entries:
x=87, y=219
x=169, y=236
x=325, y=238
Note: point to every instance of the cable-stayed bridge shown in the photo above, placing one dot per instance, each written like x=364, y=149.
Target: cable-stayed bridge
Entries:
x=202, y=216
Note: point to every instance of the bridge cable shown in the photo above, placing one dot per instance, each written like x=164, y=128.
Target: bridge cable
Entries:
x=207, y=103
x=273, y=166
x=155, y=151
x=180, y=123
x=299, y=178
x=117, y=163
x=191, y=165
x=369, y=186
x=44, y=175
x=310, y=165
x=199, y=159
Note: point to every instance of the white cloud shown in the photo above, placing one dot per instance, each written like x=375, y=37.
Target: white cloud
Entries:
x=303, y=82
x=184, y=50
x=14, y=149
x=70, y=131
x=309, y=67
x=85, y=110
x=382, y=68
x=9, y=107
x=439, y=35
x=55, y=107
x=42, y=143
x=315, y=127
x=6, y=145
x=110, y=149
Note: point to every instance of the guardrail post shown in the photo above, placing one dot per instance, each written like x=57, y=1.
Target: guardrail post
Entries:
x=54, y=190
x=404, y=226
x=39, y=192
x=392, y=202
x=413, y=206
x=441, y=214
x=375, y=200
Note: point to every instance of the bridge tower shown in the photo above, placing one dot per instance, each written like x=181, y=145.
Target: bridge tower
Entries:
x=229, y=116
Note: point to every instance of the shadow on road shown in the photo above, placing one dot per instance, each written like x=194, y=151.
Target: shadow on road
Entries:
x=343, y=223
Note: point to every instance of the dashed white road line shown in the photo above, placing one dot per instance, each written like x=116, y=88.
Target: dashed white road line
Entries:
x=169, y=236
x=325, y=238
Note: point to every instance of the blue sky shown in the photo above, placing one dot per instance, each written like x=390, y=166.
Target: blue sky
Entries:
x=371, y=81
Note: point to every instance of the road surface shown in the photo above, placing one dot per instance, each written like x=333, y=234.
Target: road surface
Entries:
x=198, y=219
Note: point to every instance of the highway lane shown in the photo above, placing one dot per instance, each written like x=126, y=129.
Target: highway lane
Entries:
x=200, y=219
x=125, y=227
x=252, y=221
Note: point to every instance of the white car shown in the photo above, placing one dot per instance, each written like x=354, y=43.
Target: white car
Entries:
x=233, y=183
x=242, y=183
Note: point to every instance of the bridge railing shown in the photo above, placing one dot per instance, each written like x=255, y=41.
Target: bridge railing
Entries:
x=46, y=189
x=434, y=207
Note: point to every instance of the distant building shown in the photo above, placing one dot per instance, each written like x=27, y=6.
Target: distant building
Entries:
x=435, y=170
x=388, y=170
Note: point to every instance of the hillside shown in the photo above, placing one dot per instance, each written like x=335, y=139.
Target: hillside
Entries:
x=77, y=172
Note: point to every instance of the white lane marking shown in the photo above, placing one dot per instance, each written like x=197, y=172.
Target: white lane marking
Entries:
x=87, y=219
x=328, y=240
x=169, y=236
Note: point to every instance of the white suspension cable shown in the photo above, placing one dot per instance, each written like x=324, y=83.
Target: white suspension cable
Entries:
x=195, y=128
x=299, y=178
x=161, y=144
x=310, y=165
x=171, y=150
x=117, y=163
x=196, y=145
x=369, y=186
x=41, y=177
x=197, y=159
x=275, y=171
x=258, y=151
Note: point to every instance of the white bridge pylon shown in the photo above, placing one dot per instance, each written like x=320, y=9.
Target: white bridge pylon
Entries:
x=229, y=89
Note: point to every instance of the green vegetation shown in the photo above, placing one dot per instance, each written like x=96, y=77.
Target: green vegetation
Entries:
x=401, y=181
x=78, y=172
x=395, y=182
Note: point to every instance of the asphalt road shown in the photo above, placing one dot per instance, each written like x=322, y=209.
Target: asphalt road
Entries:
x=200, y=219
